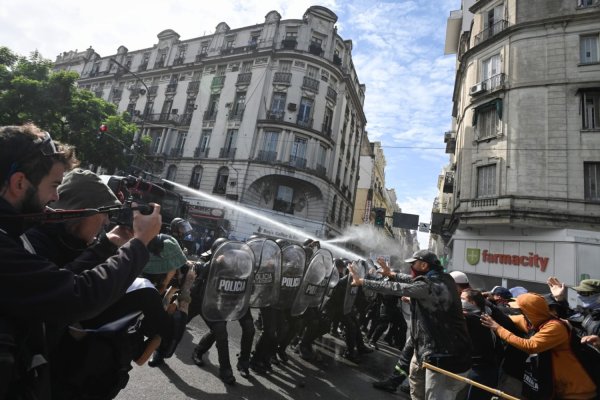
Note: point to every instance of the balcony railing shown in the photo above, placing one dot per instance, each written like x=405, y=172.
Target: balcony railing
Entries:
x=495, y=82
x=297, y=162
x=176, y=152
x=337, y=60
x=283, y=206
x=201, y=153
x=227, y=153
x=275, y=115
x=326, y=129
x=143, y=67
x=332, y=94
x=289, y=44
x=169, y=118
x=117, y=93
x=236, y=115
x=305, y=123
x=310, y=84
x=193, y=87
x=492, y=202
x=315, y=48
x=210, y=116
x=171, y=87
x=282, y=77
x=491, y=30
x=159, y=64
x=321, y=171
x=219, y=189
x=200, y=56
x=152, y=90
x=178, y=61
x=244, y=78
x=268, y=156
x=218, y=81
x=448, y=183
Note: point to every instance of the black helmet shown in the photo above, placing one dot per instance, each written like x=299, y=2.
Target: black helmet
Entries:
x=180, y=228
x=217, y=243
x=282, y=243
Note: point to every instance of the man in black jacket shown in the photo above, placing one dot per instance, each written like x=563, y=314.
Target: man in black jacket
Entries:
x=438, y=329
x=33, y=290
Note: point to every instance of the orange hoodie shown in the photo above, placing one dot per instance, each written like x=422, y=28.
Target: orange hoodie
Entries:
x=570, y=379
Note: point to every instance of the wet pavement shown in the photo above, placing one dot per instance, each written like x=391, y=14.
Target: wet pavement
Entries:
x=330, y=377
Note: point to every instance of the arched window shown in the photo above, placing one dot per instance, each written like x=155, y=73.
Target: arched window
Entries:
x=196, y=177
x=171, y=173
x=221, y=183
x=332, y=214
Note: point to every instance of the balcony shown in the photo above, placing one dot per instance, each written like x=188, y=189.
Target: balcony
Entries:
x=282, y=78
x=337, y=60
x=448, y=183
x=310, y=84
x=143, y=67
x=321, y=171
x=152, y=90
x=171, y=87
x=331, y=94
x=237, y=114
x=117, y=93
x=193, y=87
x=159, y=64
x=315, y=48
x=491, y=202
x=326, y=129
x=227, y=153
x=220, y=189
x=176, y=152
x=201, y=153
x=200, y=56
x=218, y=82
x=289, y=44
x=267, y=156
x=210, y=115
x=275, y=115
x=244, y=78
x=305, y=123
x=450, y=140
x=491, y=31
x=297, y=162
x=178, y=61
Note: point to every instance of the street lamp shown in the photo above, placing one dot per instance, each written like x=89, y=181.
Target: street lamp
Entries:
x=135, y=146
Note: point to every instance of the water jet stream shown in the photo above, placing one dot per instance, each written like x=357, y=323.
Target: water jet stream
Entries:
x=336, y=250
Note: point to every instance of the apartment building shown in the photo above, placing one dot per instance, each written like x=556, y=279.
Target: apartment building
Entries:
x=269, y=116
x=520, y=198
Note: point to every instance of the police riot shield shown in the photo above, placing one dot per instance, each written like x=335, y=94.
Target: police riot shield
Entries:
x=334, y=279
x=267, y=272
x=315, y=281
x=371, y=269
x=293, y=264
x=229, y=282
x=352, y=291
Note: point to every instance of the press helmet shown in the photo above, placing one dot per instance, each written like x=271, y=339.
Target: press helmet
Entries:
x=180, y=228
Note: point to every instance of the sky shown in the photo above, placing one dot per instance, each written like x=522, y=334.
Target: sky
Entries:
x=398, y=52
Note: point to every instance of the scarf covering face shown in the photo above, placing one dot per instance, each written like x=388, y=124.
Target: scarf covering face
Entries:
x=592, y=302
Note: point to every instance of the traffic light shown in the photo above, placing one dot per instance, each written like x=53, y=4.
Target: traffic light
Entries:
x=101, y=131
x=379, y=216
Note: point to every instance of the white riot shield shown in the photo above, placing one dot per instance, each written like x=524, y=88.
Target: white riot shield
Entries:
x=293, y=264
x=314, y=284
x=352, y=291
x=267, y=276
x=229, y=283
x=373, y=274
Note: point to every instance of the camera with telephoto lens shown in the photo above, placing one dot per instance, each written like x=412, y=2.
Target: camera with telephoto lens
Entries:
x=131, y=189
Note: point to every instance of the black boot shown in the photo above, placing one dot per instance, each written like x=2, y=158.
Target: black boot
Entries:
x=156, y=359
x=226, y=376
x=197, y=356
x=243, y=368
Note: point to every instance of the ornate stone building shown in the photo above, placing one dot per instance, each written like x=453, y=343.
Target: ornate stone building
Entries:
x=269, y=116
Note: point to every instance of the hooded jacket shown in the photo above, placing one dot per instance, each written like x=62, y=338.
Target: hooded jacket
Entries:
x=438, y=328
x=571, y=381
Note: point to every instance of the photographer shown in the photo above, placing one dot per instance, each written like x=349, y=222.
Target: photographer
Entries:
x=35, y=291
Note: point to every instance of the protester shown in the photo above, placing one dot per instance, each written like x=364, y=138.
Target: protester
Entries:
x=31, y=169
x=438, y=329
x=571, y=381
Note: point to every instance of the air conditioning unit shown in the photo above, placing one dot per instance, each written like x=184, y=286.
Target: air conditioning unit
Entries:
x=478, y=88
x=292, y=106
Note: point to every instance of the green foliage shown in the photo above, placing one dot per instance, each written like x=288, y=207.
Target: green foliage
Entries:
x=31, y=92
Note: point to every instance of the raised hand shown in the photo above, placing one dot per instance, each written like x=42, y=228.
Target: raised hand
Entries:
x=558, y=289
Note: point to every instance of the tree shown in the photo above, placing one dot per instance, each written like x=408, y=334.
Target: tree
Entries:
x=31, y=92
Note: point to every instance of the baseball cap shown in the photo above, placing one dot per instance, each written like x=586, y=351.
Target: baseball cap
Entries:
x=424, y=255
x=171, y=257
x=517, y=291
x=84, y=189
x=459, y=277
x=502, y=292
x=588, y=286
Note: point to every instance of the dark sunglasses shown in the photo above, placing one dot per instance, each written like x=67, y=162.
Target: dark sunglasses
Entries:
x=44, y=144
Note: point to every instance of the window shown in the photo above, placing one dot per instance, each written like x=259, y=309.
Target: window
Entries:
x=229, y=148
x=149, y=108
x=590, y=101
x=492, y=17
x=229, y=43
x=278, y=103
x=305, y=110
x=270, y=142
x=238, y=106
x=327, y=120
x=585, y=3
x=487, y=119
x=213, y=102
x=486, y=181
x=180, y=144
x=156, y=143
x=283, y=200
x=298, y=153
x=171, y=173
x=221, y=69
x=222, y=177
x=246, y=67
x=588, y=46
x=196, y=177
x=332, y=213
x=285, y=66
x=291, y=35
x=322, y=156
x=591, y=177
x=490, y=72
x=312, y=72
x=204, y=48
x=202, y=150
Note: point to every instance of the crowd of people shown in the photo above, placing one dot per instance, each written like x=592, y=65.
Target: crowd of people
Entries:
x=81, y=302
